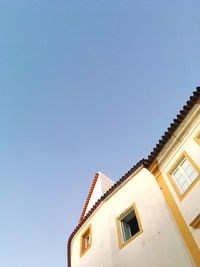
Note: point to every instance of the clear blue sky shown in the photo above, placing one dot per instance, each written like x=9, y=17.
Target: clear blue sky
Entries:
x=84, y=86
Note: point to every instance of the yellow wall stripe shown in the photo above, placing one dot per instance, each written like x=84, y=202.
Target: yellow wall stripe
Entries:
x=182, y=225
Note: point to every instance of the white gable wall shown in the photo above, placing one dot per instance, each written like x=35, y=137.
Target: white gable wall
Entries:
x=102, y=185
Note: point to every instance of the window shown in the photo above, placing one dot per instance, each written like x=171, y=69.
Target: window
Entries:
x=128, y=226
x=183, y=175
x=86, y=240
x=197, y=138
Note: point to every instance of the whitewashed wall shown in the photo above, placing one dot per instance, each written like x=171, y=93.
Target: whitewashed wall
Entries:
x=102, y=185
x=160, y=244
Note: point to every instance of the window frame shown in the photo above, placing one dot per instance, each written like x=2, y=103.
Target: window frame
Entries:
x=173, y=168
x=84, y=235
x=196, y=222
x=196, y=138
x=119, y=218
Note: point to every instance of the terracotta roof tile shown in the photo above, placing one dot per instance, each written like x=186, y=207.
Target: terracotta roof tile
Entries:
x=174, y=125
x=89, y=196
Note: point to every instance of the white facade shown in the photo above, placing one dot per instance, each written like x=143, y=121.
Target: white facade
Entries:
x=160, y=237
x=168, y=237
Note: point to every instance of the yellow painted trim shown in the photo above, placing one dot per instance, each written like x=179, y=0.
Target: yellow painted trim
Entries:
x=171, y=179
x=118, y=219
x=82, y=249
x=179, y=219
x=196, y=138
x=196, y=222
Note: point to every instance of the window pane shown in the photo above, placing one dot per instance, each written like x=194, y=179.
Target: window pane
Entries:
x=184, y=186
x=185, y=164
x=184, y=174
x=87, y=241
x=126, y=231
x=180, y=180
x=189, y=170
x=129, y=225
x=177, y=173
x=193, y=176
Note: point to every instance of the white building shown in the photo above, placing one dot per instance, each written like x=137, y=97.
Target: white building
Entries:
x=151, y=216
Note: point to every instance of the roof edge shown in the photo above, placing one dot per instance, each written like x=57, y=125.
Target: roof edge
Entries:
x=94, y=181
x=173, y=126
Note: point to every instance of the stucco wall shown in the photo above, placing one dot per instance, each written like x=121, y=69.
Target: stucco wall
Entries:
x=160, y=244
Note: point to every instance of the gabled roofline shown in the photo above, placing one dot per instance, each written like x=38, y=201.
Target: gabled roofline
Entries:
x=94, y=181
x=144, y=162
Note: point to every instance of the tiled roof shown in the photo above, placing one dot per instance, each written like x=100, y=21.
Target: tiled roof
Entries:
x=89, y=196
x=174, y=125
x=144, y=162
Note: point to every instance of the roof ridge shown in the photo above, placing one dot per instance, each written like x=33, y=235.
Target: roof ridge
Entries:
x=93, y=183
